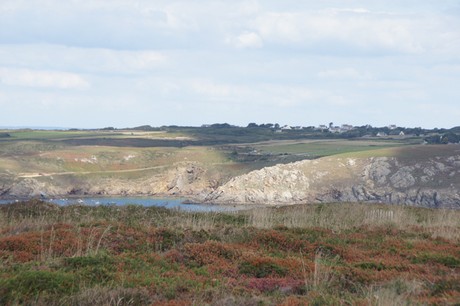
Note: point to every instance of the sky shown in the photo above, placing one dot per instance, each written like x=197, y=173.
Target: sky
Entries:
x=125, y=63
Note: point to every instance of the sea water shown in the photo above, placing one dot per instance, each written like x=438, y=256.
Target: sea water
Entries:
x=170, y=203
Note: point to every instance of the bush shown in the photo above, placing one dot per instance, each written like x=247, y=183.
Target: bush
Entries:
x=442, y=286
x=446, y=260
x=210, y=252
x=371, y=266
x=29, y=285
x=168, y=238
x=262, y=268
x=93, y=269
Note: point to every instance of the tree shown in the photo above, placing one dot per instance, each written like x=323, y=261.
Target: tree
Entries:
x=221, y=125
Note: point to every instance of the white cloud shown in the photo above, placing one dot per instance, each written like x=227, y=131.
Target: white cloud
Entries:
x=42, y=79
x=262, y=94
x=249, y=7
x=147, y=24
x=282, y=27
x=105, y=24
x=357, y=28
x=345, y=73
x=93, y=60
x=287, y=96
x=353, y=10
x=246, y=40
x=124, y=61
x=210, y=88
x=339, y=101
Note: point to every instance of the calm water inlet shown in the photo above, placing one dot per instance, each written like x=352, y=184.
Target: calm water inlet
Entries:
x=144, y=201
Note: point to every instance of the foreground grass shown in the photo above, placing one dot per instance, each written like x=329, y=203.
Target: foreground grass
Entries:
x=319, y=254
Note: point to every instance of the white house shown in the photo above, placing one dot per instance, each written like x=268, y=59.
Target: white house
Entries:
x=346, y=127
x=334, y=129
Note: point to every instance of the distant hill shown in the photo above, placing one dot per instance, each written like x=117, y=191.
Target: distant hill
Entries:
x=46, y=128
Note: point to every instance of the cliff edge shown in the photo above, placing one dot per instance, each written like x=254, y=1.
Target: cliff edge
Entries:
x=418, y=176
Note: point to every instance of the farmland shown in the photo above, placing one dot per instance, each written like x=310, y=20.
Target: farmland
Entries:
x=29, y=153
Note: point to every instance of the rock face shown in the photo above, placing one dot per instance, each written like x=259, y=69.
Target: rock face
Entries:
x=420, y=176
x=184, y=179
x=433, y=182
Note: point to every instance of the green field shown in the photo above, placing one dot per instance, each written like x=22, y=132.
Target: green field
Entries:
x=314, y=149
x=50, y=135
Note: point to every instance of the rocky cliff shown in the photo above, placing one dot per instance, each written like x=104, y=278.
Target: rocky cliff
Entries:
x=183, y=179
x=426, y=176
x=411, y=177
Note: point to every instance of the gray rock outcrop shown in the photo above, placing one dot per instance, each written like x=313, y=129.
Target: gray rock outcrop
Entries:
x=433, y=182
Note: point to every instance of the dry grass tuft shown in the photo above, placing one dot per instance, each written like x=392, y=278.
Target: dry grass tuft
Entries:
x=110, y=297
x=441, y=223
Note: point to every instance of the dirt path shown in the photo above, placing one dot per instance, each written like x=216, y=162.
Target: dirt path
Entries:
x=47, y=174
x=41, y=174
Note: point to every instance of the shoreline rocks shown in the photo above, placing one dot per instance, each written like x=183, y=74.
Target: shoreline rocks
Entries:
x=428, y=183
x=425, y=182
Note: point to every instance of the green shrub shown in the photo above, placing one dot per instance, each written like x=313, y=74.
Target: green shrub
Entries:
x=262, y=269
x=169, y=238
x=446, y=260
x=443, y=286
x=87, y=261
x=371, y=266
x=93, y=269
x=29, y=285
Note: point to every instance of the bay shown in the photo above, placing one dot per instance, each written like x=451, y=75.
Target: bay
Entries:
x=170, y=203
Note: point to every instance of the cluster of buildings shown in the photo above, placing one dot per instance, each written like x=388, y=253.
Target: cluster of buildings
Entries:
x=344, y=128
x=333, y=129
x=336, y=129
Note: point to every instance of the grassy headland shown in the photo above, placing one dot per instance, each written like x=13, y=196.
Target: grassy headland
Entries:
x=29, y=153
x=108, y=161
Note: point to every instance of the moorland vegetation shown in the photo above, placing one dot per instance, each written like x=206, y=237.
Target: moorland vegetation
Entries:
x=350, y=254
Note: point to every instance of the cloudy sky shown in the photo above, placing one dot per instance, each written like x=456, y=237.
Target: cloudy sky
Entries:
x=122, y=63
